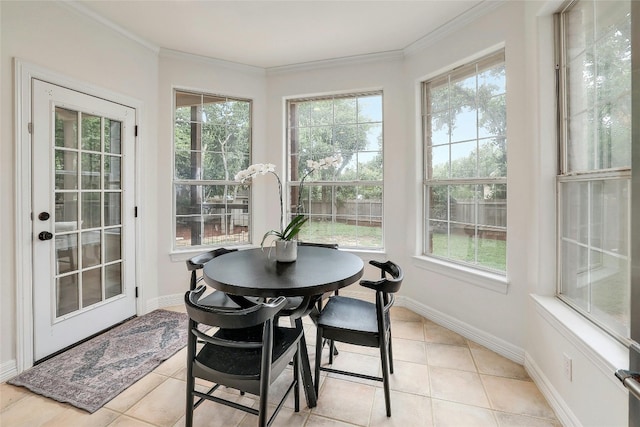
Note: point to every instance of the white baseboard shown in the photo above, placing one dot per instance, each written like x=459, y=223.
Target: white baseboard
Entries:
x=165, y=301
x=476, y=335
x=8, y=370
x=563, y=412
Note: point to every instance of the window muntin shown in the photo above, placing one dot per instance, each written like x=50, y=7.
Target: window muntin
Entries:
x=594, y=179
x=212, y=141
x=465, y=165
x=344, y=204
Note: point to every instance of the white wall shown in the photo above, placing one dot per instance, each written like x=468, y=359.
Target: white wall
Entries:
x=179, y=71
x=531, y=330
x=495, y=313
x=60, y=40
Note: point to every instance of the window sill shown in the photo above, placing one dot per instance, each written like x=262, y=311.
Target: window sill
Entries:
x=483, y=279
x=604, y=351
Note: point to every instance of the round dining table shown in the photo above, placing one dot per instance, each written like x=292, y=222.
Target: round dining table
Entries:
x=256, y=273
x=253, y=272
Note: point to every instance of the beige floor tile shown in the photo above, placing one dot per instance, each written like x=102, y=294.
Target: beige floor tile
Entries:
x=450, y=356
x=212, y=414
x=457, y=386
x=129, y=397
x=353, y=362
x=409, y=351
x=31, y=411
x=10, y=394
x=407, y=410
x=163, y=406
x=346, y=401
x=410, y=378
x=403, y=313
x=516, y=396
x=407, y=330
x=174, y=364
x=74, y=417
x=512, y=420
x=287, y=417
x=316, y=421
x=124, y=421
x=435, y=333
x=491, y=363
x=450, y=414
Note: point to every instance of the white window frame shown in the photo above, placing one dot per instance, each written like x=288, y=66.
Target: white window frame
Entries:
x=376, y=214
x=590, y=270
x=244, y=218
x=470, y=269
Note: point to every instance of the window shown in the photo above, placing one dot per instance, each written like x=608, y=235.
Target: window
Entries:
x=594, y=180
x=465, y=165
x=212, y=141
x=344, y=202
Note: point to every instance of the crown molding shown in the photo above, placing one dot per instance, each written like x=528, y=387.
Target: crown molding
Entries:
x=391, y=55
x=80, y=9
x=237, y=66
x=455, y=24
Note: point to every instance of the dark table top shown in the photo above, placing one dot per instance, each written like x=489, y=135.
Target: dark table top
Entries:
x=251, y=273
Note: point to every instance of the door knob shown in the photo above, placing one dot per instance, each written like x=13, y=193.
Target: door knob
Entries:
x=43, y=216
x=45, y=235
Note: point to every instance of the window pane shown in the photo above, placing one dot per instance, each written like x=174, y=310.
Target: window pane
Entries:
x=349, y=127
x=212, y=137
x=594, y=207
x=465, y=188
x=91, y=131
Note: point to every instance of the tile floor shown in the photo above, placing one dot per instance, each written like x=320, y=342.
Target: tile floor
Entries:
x=440, y=379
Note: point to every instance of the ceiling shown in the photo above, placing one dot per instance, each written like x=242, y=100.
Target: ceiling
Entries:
x=271, y=34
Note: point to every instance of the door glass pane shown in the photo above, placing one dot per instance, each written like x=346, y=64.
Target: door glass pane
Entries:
x=91, y=287
x=67, y=294
x=112, y=136
x=112, y=244
x=90, y=132
x=66, y=170
x=90, y=171
x=66, y=213
x=66, y=253
x=113, y=277
x=112, y=213
x=91, y=245
x=90, y=210
x=66, y=128
x=111, y=172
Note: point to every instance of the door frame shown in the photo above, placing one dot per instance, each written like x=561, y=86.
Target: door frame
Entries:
x=24, y=73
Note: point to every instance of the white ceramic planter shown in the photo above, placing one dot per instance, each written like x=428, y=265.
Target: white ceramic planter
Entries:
x=286, y=250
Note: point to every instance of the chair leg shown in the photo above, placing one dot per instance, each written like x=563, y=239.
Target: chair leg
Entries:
x=318, y=359
x=390, y=354
x=384, y=356
x=296, y=376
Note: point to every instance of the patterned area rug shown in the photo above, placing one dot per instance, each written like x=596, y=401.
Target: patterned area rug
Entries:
x=91, y=374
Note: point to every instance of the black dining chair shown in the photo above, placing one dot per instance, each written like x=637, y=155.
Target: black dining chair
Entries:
x=195, y=264
x=359, y=322
x=246, y=353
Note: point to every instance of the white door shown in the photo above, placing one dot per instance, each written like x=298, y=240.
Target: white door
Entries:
x=83, y=216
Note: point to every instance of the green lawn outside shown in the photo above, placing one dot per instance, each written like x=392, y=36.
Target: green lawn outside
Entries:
x=492, y=253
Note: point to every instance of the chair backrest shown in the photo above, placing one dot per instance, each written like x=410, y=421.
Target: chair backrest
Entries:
x=319, y=245
x=230, y=318
x=197, y=262
x=386, y=284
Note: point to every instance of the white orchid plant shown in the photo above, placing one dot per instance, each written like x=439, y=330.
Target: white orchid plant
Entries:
x=293, y=228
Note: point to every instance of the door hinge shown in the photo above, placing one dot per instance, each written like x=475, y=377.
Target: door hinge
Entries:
x=135, y=212
x=136, y=130
x=136, y=292
x=30, y=127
